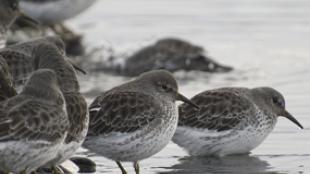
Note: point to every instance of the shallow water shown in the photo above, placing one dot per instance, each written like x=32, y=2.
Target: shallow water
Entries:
x=267, y=41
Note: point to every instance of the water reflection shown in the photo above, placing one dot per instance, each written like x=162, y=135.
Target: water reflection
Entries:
x=215, y=165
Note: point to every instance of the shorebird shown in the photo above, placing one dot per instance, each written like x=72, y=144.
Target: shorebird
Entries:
x=230, y=120
x=48, y=56
x=171, y=54
x=28, y=46
x=7, y=89
x=20, y=57
x=52, y=14
x=33, y=124
x=135, y=120
x=9, y=12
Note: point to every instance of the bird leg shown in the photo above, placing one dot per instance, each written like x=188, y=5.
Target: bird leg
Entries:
x=121, y=167
x=137, y=167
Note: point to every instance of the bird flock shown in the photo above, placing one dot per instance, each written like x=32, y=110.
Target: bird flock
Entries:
x=44, y=118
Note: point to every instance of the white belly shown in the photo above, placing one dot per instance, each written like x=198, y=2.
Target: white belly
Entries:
x=55, y=11
x=16, y=156
x=68, y=150
x=202, y=142
x=137, y=145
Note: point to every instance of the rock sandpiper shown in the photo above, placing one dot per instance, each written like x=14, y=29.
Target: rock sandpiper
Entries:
x=9, y=12
x=48, y=56
x=33, y=124
x=135, y=120
x=229, y=121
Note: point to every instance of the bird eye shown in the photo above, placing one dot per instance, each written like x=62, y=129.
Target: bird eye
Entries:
x=278, y=102
x=165, y=87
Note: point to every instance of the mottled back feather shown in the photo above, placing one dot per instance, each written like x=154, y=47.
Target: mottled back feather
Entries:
x=26, y=118
x=6, y=82
x=122, y=112
x=219, y=110
x=77, y=113
x=20, y=65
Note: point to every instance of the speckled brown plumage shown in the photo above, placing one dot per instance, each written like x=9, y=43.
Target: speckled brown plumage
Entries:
x=6, y=82
x=220, y=110
x=29, y=119
x=33, y=124
x=230, y=120
x=49, y=56
x=20, y=57
x=77, y=111
x=20, y=65
x=135, y=120
x=123, y=112
x=29, y=46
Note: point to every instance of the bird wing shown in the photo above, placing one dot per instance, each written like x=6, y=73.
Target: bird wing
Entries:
x=219, y=110
x=122, y=112
x=20, y=65
x=32, y=121
x=77, y=113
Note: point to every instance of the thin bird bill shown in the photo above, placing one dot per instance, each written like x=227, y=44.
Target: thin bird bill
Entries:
x=27, y=21
x=290, y=117
x=186, y=100
x=79, y=69
x=76, y=67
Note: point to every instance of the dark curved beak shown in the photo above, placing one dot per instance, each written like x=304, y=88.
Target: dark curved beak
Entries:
x=290, y=117
x=77, y=67
x=24, y=20
x=186, y=100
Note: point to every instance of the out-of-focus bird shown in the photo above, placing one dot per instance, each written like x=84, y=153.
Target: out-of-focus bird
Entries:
x=171, y=54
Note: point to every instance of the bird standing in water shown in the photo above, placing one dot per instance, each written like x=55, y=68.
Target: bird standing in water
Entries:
x=135, y=120
x=230, y=120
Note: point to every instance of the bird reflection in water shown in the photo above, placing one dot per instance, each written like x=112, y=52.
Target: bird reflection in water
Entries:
x=237, y=164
